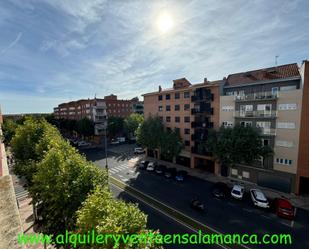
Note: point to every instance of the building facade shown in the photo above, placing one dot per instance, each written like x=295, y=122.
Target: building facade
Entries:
x=273, y=100
x=192, y=109
x=269, y=99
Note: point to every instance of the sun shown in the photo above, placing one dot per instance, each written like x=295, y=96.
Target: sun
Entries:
x=165, y=22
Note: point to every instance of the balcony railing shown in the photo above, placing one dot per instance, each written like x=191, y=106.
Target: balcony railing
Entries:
x=202, y=124
x=198, y=111
x=257, y=96
x=205, y=97
x=267, y=131
x=255, y=114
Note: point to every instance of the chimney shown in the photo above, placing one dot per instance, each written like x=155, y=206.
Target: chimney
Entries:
x=205, y=80
x=160, y=88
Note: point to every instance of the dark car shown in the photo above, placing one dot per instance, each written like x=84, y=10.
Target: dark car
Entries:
x=143, y=164
x=284, y=208
x=197, y=204
x=181, y=175
x=170, y=173
x=220, y=190
x=160, y=169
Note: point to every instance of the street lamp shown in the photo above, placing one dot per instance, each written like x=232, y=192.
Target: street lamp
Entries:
x=106, y=166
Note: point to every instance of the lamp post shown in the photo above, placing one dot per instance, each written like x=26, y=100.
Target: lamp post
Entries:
x=106, y=165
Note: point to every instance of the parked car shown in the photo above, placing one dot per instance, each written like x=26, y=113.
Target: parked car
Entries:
x=170, y=173
x=258, y=198
x=197, y=204
x=143, y=164
x=139, y=150
x=83, y=143
x=160, y=169
x=284, y=208
x=115, y=142
x=220, y=190
x=151, y=166
x=181, y=175
x=121, y=139
x=238, y=191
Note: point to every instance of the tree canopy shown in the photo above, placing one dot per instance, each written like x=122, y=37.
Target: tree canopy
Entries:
x=115, y=126
x=237, y=145
x=131, y=124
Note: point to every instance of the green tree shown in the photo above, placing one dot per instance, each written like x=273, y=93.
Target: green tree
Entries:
x=106, y=215
x=62, y=182
x=115, y=126
x=131, y=124
x=237, y=145
x=170, y=144
x=85, y=127
x=9, y=127
x=150, y=132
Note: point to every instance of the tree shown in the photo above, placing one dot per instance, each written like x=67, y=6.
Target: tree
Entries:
x=62, y=182
x=170, y=144
x=131, y=124
x=115, y=126
x=236, y=145
x=84, y=127
x=106, y=215
x=150, y=133
x=9, y=127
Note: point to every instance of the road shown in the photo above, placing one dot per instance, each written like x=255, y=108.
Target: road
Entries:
x=226, y=216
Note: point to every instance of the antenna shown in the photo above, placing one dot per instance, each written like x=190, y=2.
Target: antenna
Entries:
x=276, y=60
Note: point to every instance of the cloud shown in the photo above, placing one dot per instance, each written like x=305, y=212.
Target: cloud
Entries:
x=12, y=44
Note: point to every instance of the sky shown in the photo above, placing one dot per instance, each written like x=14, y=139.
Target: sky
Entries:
x=53, y=51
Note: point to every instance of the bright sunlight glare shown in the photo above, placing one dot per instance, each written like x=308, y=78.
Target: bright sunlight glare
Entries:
x=165, y=22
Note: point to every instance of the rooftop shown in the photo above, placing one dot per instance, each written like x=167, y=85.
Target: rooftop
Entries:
x=265, y=74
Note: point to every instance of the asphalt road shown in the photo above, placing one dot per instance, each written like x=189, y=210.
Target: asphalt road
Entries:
x=161, y=222
x=227, y=216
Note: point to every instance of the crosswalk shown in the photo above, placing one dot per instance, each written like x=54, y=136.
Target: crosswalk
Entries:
x=123, y=172
x=20, y=192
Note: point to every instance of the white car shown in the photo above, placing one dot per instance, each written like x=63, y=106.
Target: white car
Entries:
x=115, y=141
x=259, y=198
x=139, y=150
x=238, y=191
x=150, y=166
x=83, y=143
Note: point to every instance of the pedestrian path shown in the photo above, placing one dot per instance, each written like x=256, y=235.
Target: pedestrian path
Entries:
x=20, y=192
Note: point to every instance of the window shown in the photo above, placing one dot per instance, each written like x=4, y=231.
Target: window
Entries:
x=187, y=131
x=234, y=172
x=167, y=96
x=287, y=106
x=265, y=142
x=246, y=123
x=160, y=108
x=229, y=93
x=177, y=95
x=245, y=174
x=264, y=107
x=168, y=108
x=282, y=143
x=275, y=90
x=265, y=126
x=168, y=119
x=227, y=124
x=160, y=97
x=245, y=110
x=287, y=88
x=187, y=143
x=187, y=119
x=177, y=107
x=227, y=108
x=161, y=118
x=284, y=161
x=186, y=95
x=177, y=119
x=285, y=125
x=187, y=107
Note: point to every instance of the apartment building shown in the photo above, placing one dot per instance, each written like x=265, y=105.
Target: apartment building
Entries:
x=269, y=99
x=93, y=109
x=193, y=110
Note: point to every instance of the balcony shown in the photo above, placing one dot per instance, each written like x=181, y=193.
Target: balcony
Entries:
x=255, y=114
x=199, y=136
x=257, y=96
x=205, y=124
x=204, y=97
x=267, y=131
x=198, y=149
x=209, y=111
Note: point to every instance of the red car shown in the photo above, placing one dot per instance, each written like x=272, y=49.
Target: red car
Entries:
x=284, y=208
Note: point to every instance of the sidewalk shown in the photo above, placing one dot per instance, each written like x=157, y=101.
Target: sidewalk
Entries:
x=297, y=201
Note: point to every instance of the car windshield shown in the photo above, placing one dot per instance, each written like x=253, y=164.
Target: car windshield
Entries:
x=236, y=192
x=260, y=198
